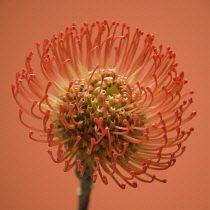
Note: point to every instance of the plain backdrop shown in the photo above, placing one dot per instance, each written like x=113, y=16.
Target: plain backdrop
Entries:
x=29, y=179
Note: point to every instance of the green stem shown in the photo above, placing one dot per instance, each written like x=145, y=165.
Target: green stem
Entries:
x=85, y=189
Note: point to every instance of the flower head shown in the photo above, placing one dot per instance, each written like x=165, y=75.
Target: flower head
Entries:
x=111, y=102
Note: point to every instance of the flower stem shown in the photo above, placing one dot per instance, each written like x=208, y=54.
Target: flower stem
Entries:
x=85, y=189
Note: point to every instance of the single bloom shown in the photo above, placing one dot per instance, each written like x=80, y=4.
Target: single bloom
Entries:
x=112, y=102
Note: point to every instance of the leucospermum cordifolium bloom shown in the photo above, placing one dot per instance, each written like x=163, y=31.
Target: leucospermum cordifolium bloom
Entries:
x=112, y=102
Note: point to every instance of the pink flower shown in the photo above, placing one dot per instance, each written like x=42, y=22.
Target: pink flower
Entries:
x=112, y=102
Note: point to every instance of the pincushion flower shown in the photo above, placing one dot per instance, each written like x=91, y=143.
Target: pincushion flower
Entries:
x=112, y=102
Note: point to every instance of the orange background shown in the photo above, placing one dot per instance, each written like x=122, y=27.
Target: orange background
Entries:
x=29, y=179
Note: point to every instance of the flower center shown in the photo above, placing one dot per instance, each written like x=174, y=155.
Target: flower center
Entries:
x=96, y=115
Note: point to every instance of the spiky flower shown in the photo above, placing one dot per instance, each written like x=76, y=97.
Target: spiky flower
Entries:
x=112, y=102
